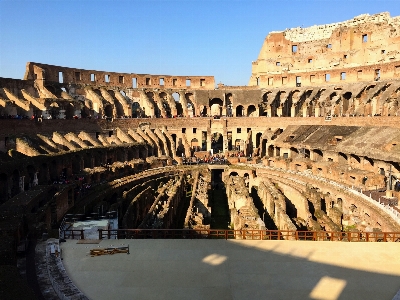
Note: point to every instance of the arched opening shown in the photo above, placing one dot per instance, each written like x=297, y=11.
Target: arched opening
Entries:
x=190, y=104
x=108, y=111
x=164, y=98
x=194, y=144
x=342, y=158
x=270, y=150
x=345, y=102
x=217, y=142
x=216, y=107
x=136, y=110
x=70, y=111
x=238, y=145
x=178, y=104
x=252, y=111
x=233, y=174
x=258, y=139
x=354, y=159
x=229, y=104
x=239, y=111
x=318, y=155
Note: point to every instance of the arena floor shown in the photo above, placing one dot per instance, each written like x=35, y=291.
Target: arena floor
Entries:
x=235, y=269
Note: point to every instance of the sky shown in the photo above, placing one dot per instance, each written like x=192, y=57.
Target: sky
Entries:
x=217, y=38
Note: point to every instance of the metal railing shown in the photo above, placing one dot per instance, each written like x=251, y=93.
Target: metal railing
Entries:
x=249, y=234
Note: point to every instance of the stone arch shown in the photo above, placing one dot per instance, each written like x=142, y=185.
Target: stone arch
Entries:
x=229, y=104
x=194, y=143
x=342, y=158
x=239, y=111
x=70, y=111
x=233, y=173
x=164, y=98
x=252, y=111
x=108, y=111
x=258, y=139
x=178, y=104
x=216, y=105
x=190, y=104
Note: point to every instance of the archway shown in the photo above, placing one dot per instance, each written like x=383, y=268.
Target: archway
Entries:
x=108, y=111
x=178, y=104
x=190, y=104
x=216, y=107
x=239, y=111
x=217, y=142
x=229, y=104
x=252, y=111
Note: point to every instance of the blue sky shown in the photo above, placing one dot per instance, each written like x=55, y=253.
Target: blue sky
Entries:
x=168, y=37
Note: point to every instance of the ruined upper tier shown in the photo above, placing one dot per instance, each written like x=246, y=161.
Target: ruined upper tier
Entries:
x=364, y=48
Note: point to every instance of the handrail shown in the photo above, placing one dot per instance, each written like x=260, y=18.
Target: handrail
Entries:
x=249, y=234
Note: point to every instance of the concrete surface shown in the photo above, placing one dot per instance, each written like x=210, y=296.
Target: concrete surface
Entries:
x=235, y=269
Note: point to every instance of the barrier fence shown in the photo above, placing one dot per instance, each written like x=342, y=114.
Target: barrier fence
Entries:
x=247, y=234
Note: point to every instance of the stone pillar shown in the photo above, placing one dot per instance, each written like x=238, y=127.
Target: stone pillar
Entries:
x=269, y=111
x=305, y=109
x=35, y=179
x=279, y=111
x=293, y=111
x=22, y=183
x=317, y=110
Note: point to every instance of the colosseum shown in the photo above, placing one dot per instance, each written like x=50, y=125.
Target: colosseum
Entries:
x=308, y=150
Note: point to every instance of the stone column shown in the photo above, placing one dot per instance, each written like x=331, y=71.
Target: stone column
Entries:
x=317, y=110
x=293, y=111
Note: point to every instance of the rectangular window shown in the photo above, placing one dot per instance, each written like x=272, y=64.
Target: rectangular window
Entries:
x=187, y=82
x=161, y=81
x=294, y=49
x=343, y=76
x=359, y=74
x=183, y=130
x=312, y=78
x=327, y=77
x=134, y=83
x=365, y=38
x=278, y=63
x=194, y=130
x=298, y=81
x=239, y=130
x=174, y=82
x=270, y=81
x=121, y=79
x=248, y=130
x=310, y=60
x=383, y=51
x=92, y=77
x=148, y=81
x=329, y=46
x=107, y=78
x=284, y=80
x=77, y=75
x=202, y=82
x=60, y=77
x=345, y=56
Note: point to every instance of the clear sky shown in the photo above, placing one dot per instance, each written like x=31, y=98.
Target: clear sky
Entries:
x=166, y=37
